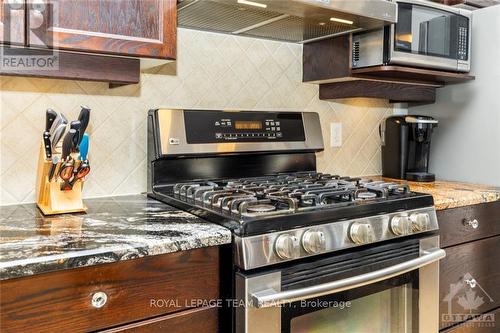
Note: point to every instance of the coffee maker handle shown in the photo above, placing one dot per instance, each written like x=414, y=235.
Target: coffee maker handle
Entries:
x=381, y=132
x=414, y=120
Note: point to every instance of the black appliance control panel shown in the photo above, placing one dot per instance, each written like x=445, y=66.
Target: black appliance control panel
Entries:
x=463, y=39
x=243, y=126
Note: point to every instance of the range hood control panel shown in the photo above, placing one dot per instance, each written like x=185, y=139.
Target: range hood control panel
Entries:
x=243, y=126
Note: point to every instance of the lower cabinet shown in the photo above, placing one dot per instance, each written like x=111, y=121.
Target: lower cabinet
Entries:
x=470, y=272
x=152, y=292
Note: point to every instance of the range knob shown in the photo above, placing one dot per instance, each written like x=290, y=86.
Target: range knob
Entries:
x=287, y=246
x=313, y=241
x=401, y=225
x=361, y=233
x=420, y=222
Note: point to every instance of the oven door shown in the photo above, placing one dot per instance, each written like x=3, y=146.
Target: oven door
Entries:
x=392, y=288
x=430, y=35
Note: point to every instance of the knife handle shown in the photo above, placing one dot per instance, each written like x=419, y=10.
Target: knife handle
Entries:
x=76, y=125
x=53, y=167
x=68, y=144
x=84, y=119
x=50, y=116
x=47, y=145
x=84, y=147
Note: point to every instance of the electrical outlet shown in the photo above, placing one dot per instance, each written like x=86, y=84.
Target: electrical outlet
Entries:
x=336, y=134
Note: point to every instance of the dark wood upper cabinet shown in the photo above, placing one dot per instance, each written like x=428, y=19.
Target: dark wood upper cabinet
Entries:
x=12, y=23
x=137, y=28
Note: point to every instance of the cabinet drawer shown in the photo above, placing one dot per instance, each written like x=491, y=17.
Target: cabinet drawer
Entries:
x=199, y=320
x=136, y=289
x=479, y=327
x=454, y=228
x=476, y=262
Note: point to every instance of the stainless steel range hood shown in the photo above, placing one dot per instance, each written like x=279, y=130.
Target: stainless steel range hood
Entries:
x=299, y=21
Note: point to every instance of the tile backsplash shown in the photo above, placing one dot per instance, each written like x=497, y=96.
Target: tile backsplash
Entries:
x=213, y=71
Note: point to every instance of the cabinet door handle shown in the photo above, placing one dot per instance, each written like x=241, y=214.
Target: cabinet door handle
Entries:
x=99, y=299
x=474, y=224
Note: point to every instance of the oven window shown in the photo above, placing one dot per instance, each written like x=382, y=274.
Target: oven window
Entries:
x=388, y=306
x=429, y=31
x=388, y=311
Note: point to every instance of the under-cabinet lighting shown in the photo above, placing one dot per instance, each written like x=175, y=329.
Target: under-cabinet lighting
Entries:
x=334, y=19
x=252, y=3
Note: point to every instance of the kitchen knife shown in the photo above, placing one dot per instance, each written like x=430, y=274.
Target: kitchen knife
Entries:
x=68, y=144
x=84, y=147
x=47, y=145
x=76, y=125
x=50, y=116
x=58, y=134
x=84, y=119
x=53, y=167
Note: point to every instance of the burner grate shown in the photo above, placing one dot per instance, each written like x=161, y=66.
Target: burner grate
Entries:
x=285, y=193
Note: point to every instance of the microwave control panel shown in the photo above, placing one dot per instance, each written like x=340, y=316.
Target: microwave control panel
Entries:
x=243, y=126
x=463, y=42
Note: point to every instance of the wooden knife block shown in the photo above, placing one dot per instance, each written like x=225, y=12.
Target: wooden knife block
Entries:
x=49, y=197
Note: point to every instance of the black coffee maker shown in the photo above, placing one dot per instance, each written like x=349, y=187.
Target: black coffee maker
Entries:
x=406, y=143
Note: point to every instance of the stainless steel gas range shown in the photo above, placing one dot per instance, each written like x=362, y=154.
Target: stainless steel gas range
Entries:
x=312, y=252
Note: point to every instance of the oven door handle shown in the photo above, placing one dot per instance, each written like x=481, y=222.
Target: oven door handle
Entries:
x=270, y=298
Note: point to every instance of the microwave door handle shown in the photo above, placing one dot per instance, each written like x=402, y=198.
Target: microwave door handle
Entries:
x=423, y=37
x=271, y=298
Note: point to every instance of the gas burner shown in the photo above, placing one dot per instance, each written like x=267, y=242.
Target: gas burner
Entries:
x=366, y=195
x=261, y=208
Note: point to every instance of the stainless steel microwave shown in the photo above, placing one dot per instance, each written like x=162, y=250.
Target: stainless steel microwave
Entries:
x=426, y=34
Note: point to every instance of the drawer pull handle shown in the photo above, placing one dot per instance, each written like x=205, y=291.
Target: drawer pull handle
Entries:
x=474, y=224
x=471, y=283
x=99, y=299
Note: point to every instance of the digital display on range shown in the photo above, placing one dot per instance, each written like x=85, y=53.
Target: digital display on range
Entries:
x=209, y=126
x=247, y=125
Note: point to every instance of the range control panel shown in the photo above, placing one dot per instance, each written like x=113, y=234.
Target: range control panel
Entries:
x=243, y=126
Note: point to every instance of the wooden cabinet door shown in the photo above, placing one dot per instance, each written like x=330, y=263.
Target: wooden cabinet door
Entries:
x=140, y=28
x=469, y=278
x=12, y=22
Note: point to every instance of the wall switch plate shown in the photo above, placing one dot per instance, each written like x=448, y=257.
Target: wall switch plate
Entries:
x=336, y=134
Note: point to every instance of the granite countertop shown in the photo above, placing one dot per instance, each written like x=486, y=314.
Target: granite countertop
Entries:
x=450, y=194
x=113, y=229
